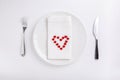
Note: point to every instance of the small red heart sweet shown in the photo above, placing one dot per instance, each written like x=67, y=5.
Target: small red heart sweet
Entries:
x=65, y=38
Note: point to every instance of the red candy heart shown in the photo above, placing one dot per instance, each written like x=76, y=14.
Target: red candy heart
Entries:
x=65, y=38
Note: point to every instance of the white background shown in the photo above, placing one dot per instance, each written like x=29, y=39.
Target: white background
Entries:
x=30, y=67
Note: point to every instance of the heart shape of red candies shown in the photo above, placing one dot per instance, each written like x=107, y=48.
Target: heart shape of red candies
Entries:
x=54, y=39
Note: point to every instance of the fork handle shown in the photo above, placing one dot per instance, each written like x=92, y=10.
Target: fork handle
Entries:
x=23, y=47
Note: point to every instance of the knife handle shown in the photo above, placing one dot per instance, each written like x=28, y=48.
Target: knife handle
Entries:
x=96, y=50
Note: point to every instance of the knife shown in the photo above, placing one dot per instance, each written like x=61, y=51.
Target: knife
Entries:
x=95, y=33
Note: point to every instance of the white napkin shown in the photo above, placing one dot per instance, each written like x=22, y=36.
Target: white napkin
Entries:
x=59, y=37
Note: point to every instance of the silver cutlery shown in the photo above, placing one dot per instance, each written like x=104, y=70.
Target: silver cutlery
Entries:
x=24, y=27
x=95, y=33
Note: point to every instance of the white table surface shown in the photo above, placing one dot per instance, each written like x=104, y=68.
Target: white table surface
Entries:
x=30, y=67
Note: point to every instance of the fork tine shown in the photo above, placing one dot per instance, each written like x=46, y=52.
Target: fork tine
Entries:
x=24, y=21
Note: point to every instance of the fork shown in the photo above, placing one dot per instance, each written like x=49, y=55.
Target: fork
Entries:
x=24, y=27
